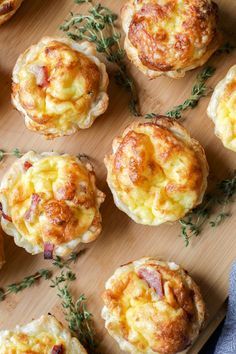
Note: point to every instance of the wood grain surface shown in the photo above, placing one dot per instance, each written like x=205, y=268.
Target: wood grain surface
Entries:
x=208, y=258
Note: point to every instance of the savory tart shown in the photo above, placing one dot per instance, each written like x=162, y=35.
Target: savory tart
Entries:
x=2, y=257
x=170, y=37
x=59, y=86
x=42, y=336
x=8, y=8
x=222, y=109
x=157, y=172
x=153, y=307
x=50, y=203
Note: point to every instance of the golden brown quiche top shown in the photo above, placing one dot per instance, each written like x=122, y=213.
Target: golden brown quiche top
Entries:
x=170, y=36
x=153, y=307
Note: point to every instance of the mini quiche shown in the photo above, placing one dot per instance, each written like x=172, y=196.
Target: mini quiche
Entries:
x=2, y=257
x=222, y=109
x=43, y=336
x=59, y=86
x=153, y=307
x=8, y=8
x=50, y=203
x=157, y=172
x=170, y=37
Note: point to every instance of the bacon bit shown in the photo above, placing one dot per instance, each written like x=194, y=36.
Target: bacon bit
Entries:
x=5, y=216
x=27, y=165
x=58, y=349
x=48, y=251
x=153, y=278
x=35, y=199
x=6, y=8
x=41, y=74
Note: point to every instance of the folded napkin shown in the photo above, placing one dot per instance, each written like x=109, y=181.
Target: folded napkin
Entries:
x=227, y=341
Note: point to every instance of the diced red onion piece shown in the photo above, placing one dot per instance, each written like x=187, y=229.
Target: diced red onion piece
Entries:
x=153, y=278
x=35, y=199
x=27, y=165
x=5, y=216
x=58, y=349
x=48, y=250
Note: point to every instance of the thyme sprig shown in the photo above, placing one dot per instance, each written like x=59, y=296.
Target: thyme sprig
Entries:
x=16, y=152
x=98, y=26
x=193, y=223
x=45, y=274
x=79, y=319
x=27, y=282
x=199, y=90
x=227, y=48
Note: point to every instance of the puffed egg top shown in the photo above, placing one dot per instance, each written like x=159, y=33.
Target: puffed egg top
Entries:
x=50, y=199
x=222, y=109
x=153, y=307
x=170, y=37
x=59, y=86
x=43, y=336
x=157, y=172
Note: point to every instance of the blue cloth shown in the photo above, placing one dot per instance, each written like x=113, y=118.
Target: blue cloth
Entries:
x=227, y=341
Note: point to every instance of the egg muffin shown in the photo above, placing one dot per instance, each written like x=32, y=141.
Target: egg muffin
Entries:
x=153, y=307
x=50, y=203
x=2, y=257
x=42, y=336
x=222, y=109
x=170, y=37
x=8, y=8
x=59, y=86
x=157, y=172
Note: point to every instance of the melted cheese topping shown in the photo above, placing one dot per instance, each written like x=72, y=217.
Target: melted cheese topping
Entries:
x=170, y=36
x=222, y=109
x=39, y=337
x=157, y=173
x=51, y=199
x=57, y=84
x=147, y=320
x=8, y=8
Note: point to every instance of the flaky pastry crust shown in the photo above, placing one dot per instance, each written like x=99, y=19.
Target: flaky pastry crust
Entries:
x=222, y=109
x=8, y=8
x=50, y=199
x=157, y=172
x=59, y=86
x=153, y=307
x=170, y=37
x=41, y=336
x=2, y=256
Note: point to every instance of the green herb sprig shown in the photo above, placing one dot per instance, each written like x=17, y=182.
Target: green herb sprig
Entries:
x=199, y=90
x=99, y=27
x=193, y=223
x=27, y=282
x=227, y=48
x=16, y=152
x=79, y=319
x=45, y=274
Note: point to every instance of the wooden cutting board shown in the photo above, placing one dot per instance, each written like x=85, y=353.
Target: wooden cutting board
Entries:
x=209, y=256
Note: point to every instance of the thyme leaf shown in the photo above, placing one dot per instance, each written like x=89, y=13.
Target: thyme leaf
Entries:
x=15, y=152
x=199, y=90
x=45, y=274
x=227, y=48
x=76, y=314
x=27, y=282
x=193, y=223
x=98, y=26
